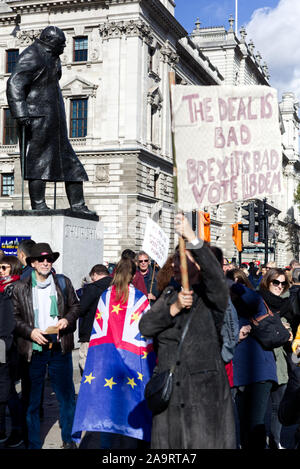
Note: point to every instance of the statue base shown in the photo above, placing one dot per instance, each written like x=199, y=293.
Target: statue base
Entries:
x=41, y=213
x=77, y=237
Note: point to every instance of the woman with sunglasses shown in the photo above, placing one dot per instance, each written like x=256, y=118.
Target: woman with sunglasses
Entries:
x=254, y=368
x=272, y=288
x=10, y=271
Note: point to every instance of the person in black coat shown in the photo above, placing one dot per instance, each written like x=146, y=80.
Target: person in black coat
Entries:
x=200, y=412
x=35, y=101
x=101, y=280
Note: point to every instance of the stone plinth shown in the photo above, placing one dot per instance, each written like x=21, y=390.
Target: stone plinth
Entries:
x=78, y=239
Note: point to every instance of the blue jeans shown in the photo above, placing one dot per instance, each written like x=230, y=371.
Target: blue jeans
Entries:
x=274, y=431
x=60, y=369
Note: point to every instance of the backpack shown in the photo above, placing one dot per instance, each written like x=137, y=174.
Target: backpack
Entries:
x=229, y=332
x=7, y=321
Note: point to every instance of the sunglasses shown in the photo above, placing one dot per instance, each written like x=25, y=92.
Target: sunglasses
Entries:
x=277, y=283
x=42, y=258
x=5, y=267
x=143, y=260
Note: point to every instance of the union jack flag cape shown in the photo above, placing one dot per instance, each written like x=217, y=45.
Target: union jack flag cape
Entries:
x=119, y=363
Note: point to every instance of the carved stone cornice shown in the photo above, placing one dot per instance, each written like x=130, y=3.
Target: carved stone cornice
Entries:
x=131, y=28
x=25, y=38
x=168, y=55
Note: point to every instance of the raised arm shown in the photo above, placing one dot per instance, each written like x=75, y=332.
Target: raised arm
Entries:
x=215, y=286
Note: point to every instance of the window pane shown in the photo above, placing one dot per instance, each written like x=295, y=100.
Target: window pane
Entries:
x=80, y=49
x=79, y=117
x=11, y=58
x=7, y=183
x=10, y=129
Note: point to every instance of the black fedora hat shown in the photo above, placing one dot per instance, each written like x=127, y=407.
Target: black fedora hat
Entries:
x=41, y=250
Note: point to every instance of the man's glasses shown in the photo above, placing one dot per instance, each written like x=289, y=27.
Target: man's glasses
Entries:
x=143, y=260
x=42, y=258
x=277, y=283
x=4, y=267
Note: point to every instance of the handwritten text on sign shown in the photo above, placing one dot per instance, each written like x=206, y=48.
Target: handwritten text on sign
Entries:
x=156, y=242
x=228, y=144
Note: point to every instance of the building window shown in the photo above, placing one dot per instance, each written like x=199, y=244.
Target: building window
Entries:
x=10, y=136
x=7, y=184
x=151, y=54
x=80, y=49
x=11, y=59
x=79, y=117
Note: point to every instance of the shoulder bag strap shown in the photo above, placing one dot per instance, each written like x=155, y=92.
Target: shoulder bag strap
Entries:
x=182, y=338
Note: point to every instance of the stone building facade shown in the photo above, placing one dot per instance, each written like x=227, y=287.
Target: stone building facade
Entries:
x=115, y=83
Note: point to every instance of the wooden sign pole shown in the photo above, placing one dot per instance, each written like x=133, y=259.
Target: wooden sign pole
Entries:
x=183, y=261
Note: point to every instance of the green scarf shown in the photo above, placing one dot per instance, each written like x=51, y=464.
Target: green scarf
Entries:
x=35, y=301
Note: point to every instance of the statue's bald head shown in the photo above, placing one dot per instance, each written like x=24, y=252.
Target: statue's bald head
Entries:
x=55, y=38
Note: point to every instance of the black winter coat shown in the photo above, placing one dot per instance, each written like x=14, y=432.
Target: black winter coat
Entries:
x=68, y=308
x=33, y=90
x=200, y=413
x=88, y=306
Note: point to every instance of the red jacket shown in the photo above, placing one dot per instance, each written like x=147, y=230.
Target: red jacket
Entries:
x=139, y=283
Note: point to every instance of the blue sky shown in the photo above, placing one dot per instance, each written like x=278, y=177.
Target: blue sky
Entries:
x=273, y=25
x=217, y=12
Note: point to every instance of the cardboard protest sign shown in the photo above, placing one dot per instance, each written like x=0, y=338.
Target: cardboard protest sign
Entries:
x=156, y=242
x=228, y=144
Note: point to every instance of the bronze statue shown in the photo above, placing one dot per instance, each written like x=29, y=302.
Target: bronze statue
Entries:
x=35, y=100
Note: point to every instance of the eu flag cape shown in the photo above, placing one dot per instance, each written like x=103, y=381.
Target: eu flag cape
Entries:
x=119, y=363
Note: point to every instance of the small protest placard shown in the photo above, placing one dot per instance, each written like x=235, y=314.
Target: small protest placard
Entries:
x=156, y=242
x=228, y=144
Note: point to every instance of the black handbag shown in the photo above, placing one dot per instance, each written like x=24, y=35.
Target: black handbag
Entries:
x=159, y=388
x=269, y=331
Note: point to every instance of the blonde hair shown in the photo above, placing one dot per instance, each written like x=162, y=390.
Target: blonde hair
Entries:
x=123, y=275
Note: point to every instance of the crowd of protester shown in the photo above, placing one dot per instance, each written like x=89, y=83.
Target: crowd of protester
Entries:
x=229, y=391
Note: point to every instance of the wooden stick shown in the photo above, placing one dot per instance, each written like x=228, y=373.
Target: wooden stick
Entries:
x=153, y=271
x=183, y=261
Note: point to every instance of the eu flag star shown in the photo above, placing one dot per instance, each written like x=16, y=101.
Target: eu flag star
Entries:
x=109, y=382
x=144, y=355
x=131, y=382
x=140, y=376
x=89, y=378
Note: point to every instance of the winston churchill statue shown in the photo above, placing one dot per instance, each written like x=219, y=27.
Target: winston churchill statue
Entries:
x=35, y=101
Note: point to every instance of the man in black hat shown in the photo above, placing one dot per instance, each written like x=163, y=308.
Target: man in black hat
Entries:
x=46, y=309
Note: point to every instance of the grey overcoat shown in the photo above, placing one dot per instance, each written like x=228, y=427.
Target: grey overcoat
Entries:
x=33, y=90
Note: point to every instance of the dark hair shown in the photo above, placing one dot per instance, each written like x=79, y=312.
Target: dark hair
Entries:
x=99, y=269
x=272, y=274
x=26, y=246
x=218, y=253
x=128, y=254
x=15, y=264
x=239, y=276
x=165, y=274
x=124, y=273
